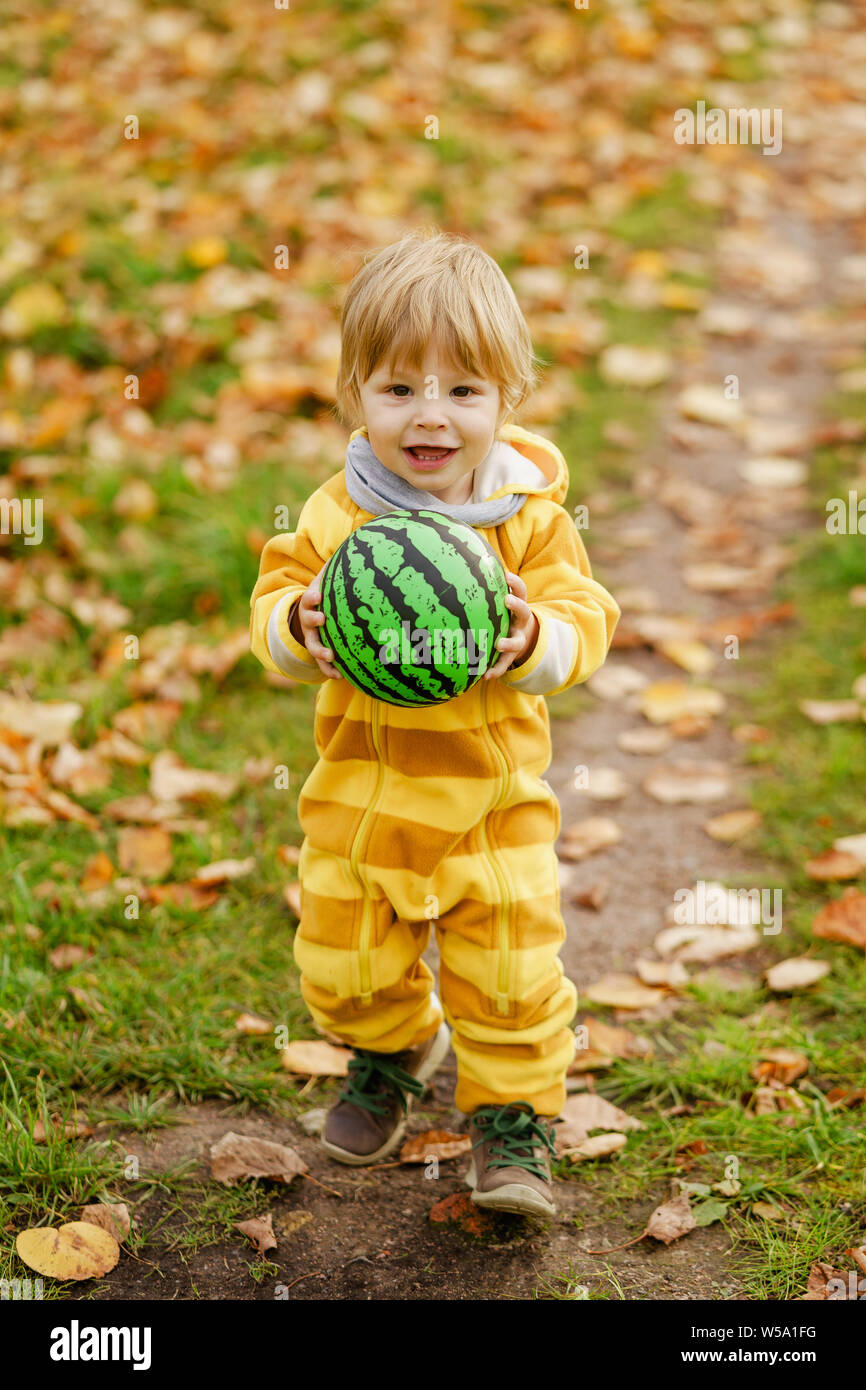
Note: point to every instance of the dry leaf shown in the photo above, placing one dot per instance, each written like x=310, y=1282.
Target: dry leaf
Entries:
x=589, y=836
x=292, y=895
x=112, y=1217
x=76, y=1250
x=72, y=1129
x=773, y=472
x=853, y=844
x=260, y=1230
x=583, y=1113
x=435, y=1143
x=832, y=865
x=614, y=680
x=225, y=870
x=316, y=1058
x=844, y=919
x=171, y=780
x=797, y=972
x=253, y=1025
x=664, y=701
x=49, y=721
x=831, y=711
x=623, y=364
x=686, y=781
x=598, y=1146
x=670, y=974
x=593, y=896
x=708, y=403
x=780, y=1064
x=98, y=871
x=621, y=991
x=144, y=852
x=644, y=742
x=604, y=784
x=239, y=1156
x=671, y=1220
x=732, y=825
x=68, y=955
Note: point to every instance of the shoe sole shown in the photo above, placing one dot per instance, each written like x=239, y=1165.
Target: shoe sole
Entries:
x=514, y=1197
x=428, y=1069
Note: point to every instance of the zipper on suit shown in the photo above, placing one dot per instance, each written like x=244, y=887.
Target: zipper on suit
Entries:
x=504, y=966
x=366, y=985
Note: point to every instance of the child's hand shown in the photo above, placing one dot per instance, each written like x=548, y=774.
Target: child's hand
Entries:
x=522, y=632
x=310, y=620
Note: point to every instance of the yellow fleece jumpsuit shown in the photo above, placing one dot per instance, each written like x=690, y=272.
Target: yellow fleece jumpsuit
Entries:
x=440, y=814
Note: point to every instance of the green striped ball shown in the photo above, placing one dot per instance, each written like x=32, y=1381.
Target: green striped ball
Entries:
x=414, y=605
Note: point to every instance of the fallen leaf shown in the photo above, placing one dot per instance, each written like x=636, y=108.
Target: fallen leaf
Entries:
x=260, y=1230
x=239, y=1156
x=589, y=836
x=49, y=721
x=436, y=1143
x=614, y=680
x=623, y=364
x=830, y=711
x=171, y=780
x=844, y=919
x=686, y=781
x=112, y=1217
x=224, y=870
x=253, y=1025
x=706, y=402
x=144, y=852
x=664, y=701
x=292, y=896
x=773, y=472
x=66, y=956
x=75, y=1250
x=671, y=1220
x=604, y=784
x=594, y=896
x=670, y=974
x=583, y=1113
x=781, y=1064
x=853, y=844
x=598, y=1146
x=797, y=972
x=644, y=742
x=315, y=1058
x=832, y=865
x=621, y=991
x=732, y=825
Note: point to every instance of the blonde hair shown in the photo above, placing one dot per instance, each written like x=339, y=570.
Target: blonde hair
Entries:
x=433, y=288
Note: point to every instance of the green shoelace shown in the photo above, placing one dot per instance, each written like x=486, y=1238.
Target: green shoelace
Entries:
x=367, y=1072
x=513, y=1128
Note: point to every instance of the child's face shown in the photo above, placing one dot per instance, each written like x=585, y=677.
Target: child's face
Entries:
x=458, y=425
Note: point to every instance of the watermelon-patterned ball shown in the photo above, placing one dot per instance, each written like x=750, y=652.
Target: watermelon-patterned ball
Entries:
x=414, y=605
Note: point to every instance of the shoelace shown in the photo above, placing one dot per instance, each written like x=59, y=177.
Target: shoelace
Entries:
x=367, y=1072
x=514, y=1128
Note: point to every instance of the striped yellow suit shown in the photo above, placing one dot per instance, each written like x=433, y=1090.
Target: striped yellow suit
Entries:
x=441, y=814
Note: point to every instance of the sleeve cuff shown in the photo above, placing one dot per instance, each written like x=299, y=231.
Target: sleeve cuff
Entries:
x=287, y=654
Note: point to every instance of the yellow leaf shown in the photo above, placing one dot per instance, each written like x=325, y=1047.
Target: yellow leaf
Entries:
x=77, y=1250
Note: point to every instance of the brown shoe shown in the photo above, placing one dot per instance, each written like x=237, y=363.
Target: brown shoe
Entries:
x=510, y=1168
x=369, y=1119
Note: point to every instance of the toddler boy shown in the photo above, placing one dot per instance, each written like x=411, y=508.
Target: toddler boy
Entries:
x=440, y=812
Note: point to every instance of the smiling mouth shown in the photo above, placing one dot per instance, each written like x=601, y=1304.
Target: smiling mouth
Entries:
x=428, y=456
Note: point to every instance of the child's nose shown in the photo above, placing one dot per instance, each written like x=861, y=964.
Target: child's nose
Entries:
x=430, y=413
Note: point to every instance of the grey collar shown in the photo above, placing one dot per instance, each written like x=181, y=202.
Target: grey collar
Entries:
x=377, y=490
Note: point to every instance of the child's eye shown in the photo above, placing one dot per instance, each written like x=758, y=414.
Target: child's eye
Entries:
x=470, y=389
